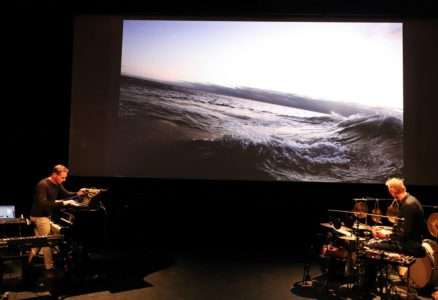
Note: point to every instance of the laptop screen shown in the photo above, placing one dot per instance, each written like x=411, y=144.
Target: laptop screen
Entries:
x=7, y=211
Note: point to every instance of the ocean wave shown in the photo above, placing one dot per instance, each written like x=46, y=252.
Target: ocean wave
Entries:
x=372, y=125
x=280, y=144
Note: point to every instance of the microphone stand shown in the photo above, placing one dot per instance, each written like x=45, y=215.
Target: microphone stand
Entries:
x=372, y=199
x=368, y=214
x=431, y=206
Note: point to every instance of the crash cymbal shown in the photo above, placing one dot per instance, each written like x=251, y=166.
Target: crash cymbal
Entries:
x=392, y=213
x=327, y=225
x=432, y=224
x=342, y=230
x=360, y=210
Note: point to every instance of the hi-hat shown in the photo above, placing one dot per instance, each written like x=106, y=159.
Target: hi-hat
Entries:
x=432, y=224
x=360, y=210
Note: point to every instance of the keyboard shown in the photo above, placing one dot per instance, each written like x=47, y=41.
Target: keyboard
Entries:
x=31, y=241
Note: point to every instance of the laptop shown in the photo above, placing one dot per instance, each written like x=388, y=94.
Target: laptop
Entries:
x=7, y=212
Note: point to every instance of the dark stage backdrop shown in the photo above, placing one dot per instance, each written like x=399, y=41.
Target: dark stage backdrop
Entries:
x=171, y=213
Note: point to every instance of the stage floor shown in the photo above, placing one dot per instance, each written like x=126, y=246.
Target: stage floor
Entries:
x=188, y=275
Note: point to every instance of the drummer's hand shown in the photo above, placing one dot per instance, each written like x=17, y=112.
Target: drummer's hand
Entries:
x=70, y=202
x=381, y=235
x=375, y=232
x=82, y=192
x=378, y=234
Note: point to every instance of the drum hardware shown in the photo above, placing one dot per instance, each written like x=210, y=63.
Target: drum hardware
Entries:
x=348, y=259
x=349, y=262
x=432, y=224
x=307, y=281
x=431, y=206
x=372, y=199
x=339, y=259
x=392, y=211
x=388, y=264
x=364, y=229
x=368, y=214
x=337, y=223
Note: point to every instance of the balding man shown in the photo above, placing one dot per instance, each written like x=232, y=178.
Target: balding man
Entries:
x=49, y=193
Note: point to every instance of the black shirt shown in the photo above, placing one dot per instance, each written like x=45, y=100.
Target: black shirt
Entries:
x=46, y=192
x=409, y=231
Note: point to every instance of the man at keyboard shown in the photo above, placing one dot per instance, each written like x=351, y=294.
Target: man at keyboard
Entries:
x=47, y=194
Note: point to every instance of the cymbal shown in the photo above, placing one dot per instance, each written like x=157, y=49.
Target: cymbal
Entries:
x=351, y=238
x=327, y=225
x=360, y=210
x=392, y=211
x=383, y=227
x=432, y=224
x=343, y=229
x=362, y=226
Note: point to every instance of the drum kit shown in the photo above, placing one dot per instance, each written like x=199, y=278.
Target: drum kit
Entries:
x=348, y=245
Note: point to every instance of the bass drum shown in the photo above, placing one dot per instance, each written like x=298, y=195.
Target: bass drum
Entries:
x=424, y=270
x=431, y=248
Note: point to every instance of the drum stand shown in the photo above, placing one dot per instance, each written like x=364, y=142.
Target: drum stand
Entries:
x=307, y=280
x=387, y=287
x=308, y=285
x=358, y=266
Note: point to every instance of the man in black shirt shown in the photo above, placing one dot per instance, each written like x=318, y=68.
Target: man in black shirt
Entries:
x=408, y=232
x=409, y=229
x=406, y=237
x=47, y=194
